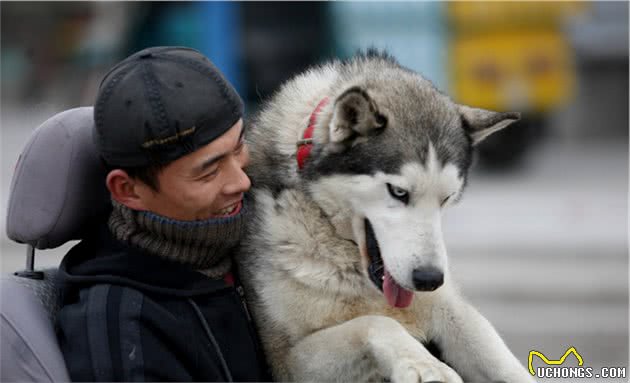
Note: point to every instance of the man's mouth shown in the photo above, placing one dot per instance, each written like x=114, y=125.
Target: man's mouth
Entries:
x=396, y=295
x=229, y=210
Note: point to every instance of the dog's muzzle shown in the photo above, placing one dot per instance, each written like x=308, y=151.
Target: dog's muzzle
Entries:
x=424, y=278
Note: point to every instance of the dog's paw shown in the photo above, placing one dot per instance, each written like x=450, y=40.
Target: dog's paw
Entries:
x=410, y=371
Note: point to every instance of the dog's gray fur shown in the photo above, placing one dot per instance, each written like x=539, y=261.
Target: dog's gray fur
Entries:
x=305, y=261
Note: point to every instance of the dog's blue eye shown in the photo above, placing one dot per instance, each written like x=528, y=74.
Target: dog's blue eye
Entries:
x=398, y=193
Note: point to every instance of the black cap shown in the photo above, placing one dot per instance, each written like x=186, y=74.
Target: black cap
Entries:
x=160, y=104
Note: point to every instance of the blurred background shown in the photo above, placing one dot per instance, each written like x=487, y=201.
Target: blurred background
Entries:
x=539, y=243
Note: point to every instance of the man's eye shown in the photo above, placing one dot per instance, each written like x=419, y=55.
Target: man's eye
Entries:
x=210, y=174
x=398, y=193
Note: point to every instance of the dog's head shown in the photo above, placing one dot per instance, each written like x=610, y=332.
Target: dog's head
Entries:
x=391, y=152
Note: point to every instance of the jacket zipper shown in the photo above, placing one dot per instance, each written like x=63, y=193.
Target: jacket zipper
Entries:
x=241, y=294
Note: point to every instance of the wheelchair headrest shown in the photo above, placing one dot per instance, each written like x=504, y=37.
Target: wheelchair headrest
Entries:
x=58, y=188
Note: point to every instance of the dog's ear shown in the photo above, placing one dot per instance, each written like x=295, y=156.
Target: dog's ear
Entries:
x=355, y=114
x=481, y=123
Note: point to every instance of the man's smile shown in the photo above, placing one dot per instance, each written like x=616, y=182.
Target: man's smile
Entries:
x=229, y=210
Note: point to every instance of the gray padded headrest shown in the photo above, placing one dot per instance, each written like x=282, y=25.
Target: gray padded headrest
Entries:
x=58, y=188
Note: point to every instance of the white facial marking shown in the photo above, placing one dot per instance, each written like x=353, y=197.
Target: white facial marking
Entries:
x=409, y=234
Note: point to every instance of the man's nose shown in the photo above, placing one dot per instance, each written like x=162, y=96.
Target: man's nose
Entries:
x=238, y=182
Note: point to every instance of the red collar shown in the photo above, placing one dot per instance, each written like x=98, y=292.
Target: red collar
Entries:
x=305, y=145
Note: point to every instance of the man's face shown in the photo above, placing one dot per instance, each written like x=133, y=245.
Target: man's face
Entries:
x=207, y=183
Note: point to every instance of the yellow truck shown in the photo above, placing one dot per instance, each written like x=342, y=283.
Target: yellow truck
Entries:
x=511, y=56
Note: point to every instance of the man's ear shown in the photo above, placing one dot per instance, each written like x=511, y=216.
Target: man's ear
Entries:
x=355, y=114
x=480, y=123
x=123, y=189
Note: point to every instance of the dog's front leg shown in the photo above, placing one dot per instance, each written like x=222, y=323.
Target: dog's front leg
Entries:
x=470, y=344
x=365, y=348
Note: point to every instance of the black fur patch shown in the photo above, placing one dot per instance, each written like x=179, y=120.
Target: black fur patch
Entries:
x=356, y=160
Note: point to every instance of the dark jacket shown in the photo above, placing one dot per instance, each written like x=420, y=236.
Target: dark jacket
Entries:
x=131, y=316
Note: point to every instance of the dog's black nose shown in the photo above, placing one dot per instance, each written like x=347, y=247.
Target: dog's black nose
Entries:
x=427, y=278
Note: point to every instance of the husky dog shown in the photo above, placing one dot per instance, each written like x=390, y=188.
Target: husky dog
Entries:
x=345, y=266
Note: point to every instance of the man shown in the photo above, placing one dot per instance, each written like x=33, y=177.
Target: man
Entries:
x=150, y=295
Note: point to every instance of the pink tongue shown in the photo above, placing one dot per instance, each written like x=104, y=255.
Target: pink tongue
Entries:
x=396, y=296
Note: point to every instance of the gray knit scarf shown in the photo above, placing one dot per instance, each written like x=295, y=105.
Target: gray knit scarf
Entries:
x=204, y=245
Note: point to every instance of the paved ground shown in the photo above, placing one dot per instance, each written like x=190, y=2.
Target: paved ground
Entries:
x=542, y=253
